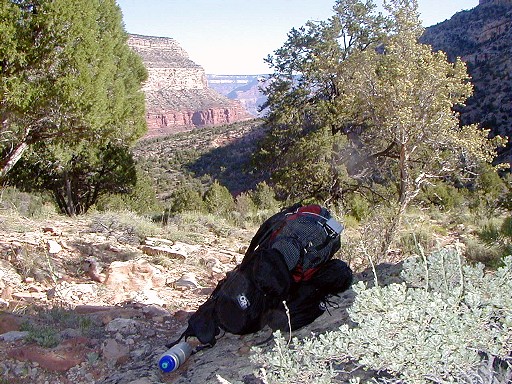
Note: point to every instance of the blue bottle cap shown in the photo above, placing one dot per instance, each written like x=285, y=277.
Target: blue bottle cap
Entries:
x=168, y=363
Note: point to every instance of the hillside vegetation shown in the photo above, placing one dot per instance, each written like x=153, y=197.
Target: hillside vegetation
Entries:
x=211, y=153
x=366, y=126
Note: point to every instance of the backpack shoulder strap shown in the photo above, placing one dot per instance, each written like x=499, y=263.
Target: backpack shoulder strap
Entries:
x=266, y=229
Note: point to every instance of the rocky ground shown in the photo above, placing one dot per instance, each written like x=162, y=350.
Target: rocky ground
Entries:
x=83, y=303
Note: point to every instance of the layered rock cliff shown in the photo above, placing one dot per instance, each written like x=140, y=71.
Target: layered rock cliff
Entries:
x=482, y=37
x=177, y=93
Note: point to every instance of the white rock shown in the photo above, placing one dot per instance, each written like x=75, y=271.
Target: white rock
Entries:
x=149, y=297
x=53, y=247
x=13, y=336
x=123, y=326
x=188, y=280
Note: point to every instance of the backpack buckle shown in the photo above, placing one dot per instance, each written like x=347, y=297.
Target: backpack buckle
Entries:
x=333, y=227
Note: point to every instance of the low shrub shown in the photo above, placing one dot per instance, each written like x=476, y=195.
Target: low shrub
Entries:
x=127, y=227
x=449, y=322
x=34, y=205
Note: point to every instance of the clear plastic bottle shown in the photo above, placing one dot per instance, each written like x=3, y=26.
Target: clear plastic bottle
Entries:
x=174, y=357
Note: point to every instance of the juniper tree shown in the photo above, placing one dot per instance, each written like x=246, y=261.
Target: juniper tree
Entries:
x=304, y=83
x=67, y=75
x=387, y=100
x=69, y=81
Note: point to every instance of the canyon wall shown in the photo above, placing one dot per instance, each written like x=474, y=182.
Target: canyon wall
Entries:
x=482, y=37
x=177, y=93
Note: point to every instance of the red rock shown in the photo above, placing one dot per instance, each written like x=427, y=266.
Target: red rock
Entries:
x=133, y=276
x=86, y=309
x=177, y=94
x=59, y=359
x=115, y=352
x=9, y=322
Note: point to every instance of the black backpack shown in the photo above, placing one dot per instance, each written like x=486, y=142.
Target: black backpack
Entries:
x=287, y=249
x=306, y=236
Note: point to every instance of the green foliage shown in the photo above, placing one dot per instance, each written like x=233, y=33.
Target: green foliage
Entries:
x=45, y=336
x=264, y=197
x=358, y=207
x=142, y=198
x=196, y=155
x=442, y=195
x=389, y=97
x=489, y=192
x=70, y=81
x=79, y=177
x=245, y=210
x=185, y=198
x=46, y=331
x=433, y=327
x=478, y=252
x=496, y=234
x=218, y=200
x=307, y=172
x=489, y=233
x=506, y=228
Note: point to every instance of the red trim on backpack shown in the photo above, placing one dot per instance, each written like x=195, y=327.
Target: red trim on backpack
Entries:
x=313, y=208
x=298, y=275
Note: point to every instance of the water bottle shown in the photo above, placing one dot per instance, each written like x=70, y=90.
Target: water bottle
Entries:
x=175, y=357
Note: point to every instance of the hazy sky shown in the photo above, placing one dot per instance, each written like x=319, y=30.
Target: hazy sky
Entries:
x=234, y=36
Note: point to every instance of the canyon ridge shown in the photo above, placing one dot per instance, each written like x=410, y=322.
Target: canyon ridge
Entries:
x=177, y=94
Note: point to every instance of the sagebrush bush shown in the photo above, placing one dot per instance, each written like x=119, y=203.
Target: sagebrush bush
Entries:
x=126, y=227
x=36, y=205
x=435, y=327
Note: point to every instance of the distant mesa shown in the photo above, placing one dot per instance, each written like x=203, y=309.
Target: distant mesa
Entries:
x=177, y=94
x=244, y=88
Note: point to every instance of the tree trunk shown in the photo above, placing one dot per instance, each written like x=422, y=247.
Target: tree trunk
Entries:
x=70, y=206
x=12, y=158
x=403, y=199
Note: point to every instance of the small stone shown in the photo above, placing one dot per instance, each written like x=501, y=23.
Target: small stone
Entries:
x=114, y=351
x=52, y=231
x=4, y=304
x=53, y=247
x=13, y=336
x=188, y=280
x=123, y=326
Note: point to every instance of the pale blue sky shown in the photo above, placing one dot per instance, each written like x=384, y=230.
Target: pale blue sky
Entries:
x=234, y=36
